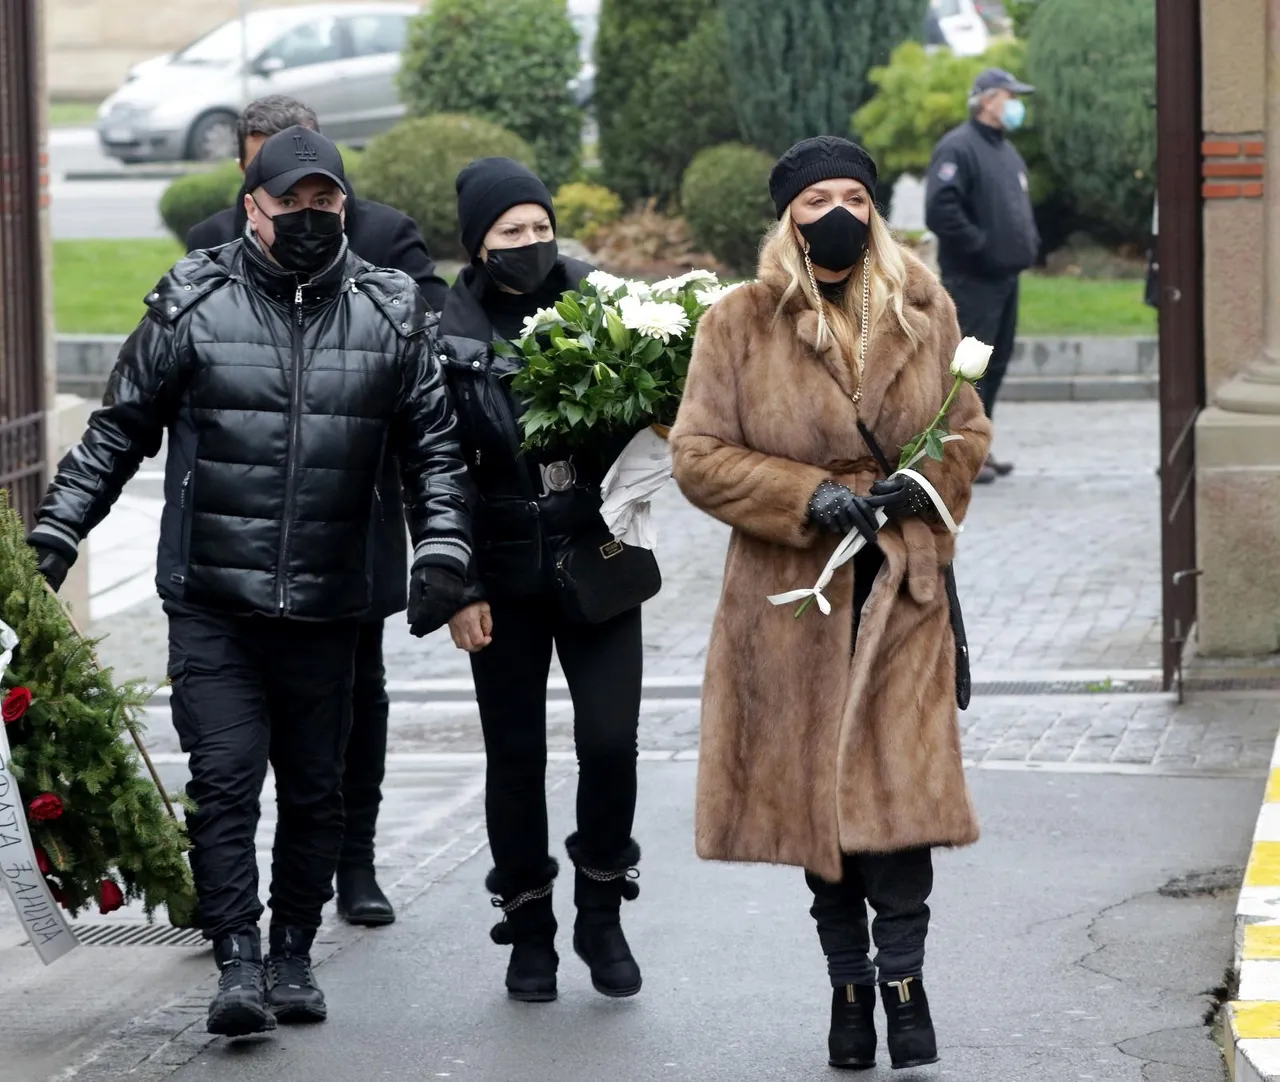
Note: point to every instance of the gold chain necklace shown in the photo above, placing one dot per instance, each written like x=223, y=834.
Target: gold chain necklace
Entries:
x=856, y=397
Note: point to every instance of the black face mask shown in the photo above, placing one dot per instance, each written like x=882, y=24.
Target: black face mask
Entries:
x=836, y=240
x=308, y=240
x=523, y=269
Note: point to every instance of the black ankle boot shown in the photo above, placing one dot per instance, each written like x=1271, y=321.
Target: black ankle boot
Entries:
x=360, y=899
x=292, y=992
x=599, y=889
x=911, y=1040
x=852, y=1041
x=528, y=926
x=239, y=1007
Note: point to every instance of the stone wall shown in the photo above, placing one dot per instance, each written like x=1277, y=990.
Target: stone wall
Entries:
x=92, y=44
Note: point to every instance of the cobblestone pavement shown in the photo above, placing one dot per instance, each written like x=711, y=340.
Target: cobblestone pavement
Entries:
x=1058, y=565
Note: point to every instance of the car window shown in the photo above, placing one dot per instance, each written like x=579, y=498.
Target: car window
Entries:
x=948, y=9
x=312, y=43
x=373, y=35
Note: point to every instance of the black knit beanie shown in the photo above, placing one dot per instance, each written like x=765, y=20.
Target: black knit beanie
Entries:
x=490, y=187
x=823, y=158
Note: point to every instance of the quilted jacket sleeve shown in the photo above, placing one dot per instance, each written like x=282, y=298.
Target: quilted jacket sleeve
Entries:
x=141, y=399
x=425, y=440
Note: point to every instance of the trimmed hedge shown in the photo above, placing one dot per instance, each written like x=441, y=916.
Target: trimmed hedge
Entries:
x=508, y=61
x=414, y=166
x=582, y=210
x=189, y=200
x=726, y=203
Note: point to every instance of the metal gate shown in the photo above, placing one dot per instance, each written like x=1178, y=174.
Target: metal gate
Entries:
x=1181, y=315
x=22, y=375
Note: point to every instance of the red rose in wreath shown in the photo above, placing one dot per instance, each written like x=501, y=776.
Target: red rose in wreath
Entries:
x=43, y=862
x=110, y=897
x=44, y=808
x=15, y=704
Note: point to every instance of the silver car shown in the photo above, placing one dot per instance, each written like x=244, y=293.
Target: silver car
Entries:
x=341, y=59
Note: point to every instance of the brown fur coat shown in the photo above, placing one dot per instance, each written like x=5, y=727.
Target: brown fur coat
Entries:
x=810, y=747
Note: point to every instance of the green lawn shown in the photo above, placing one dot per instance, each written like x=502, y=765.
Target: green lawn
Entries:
x=1083, y=306
x=71, y=114
x=98, y=285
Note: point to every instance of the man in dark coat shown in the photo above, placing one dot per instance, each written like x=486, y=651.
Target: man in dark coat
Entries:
x=284, y=369
x=978, y=205
x=380, y=235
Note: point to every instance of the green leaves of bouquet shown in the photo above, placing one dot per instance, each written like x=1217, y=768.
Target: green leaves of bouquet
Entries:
x=611, y=355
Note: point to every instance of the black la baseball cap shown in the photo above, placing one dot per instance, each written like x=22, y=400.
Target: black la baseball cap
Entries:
x=289, y=156
x=999, y=79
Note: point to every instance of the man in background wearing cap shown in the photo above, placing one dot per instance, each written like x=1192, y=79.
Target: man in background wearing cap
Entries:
x=284, y=368
x=383, y=236
x=978, y=205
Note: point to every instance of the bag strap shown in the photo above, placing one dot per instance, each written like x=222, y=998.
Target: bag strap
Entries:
x=874, y=448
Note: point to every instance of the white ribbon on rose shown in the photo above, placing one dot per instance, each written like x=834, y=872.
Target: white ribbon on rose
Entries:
x=629, y=487
x=854, y=542
x=40, y=915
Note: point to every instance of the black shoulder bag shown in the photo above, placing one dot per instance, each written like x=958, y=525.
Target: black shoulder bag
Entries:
x=964, y=684
x=599, y=578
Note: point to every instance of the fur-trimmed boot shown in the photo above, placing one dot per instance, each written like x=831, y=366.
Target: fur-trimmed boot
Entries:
x=528, y=926
x=600, y=885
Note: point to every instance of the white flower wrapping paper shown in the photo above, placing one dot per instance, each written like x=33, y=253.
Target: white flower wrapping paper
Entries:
x=630, y=486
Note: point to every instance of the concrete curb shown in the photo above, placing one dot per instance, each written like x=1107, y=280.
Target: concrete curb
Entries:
x=1252, y=1037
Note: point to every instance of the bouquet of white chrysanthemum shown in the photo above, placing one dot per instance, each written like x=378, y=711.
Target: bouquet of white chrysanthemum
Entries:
x=612, y=355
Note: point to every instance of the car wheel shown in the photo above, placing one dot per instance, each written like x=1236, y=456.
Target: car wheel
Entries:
x=213, y=138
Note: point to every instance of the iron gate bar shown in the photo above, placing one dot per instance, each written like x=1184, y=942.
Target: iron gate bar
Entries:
x=22, y=365
x=1179, y=252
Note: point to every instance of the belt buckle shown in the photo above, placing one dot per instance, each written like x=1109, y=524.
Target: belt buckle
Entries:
x=558, y=476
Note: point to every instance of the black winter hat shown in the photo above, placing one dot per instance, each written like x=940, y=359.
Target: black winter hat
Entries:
x=825, y=157
x=490, y=187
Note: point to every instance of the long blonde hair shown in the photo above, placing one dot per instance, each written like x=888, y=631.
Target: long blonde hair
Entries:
x=783, y=256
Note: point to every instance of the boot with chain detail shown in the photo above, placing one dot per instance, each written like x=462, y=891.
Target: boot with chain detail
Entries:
x=528, y=926
x=911, y=1040
x=600, y=885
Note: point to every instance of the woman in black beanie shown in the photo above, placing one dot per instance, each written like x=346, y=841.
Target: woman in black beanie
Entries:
x=529, y=505
x=830, y=742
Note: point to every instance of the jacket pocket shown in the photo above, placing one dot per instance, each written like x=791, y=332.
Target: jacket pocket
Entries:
x=186, y=506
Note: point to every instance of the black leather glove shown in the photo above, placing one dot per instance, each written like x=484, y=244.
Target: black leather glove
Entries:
x=436, y=594
x=839, y=509
x=52, y=565
x=901, y=497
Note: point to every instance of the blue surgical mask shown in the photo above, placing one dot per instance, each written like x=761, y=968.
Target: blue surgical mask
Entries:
x=1015, y=113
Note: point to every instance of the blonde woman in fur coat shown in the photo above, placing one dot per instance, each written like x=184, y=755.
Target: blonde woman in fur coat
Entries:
x=831, y=743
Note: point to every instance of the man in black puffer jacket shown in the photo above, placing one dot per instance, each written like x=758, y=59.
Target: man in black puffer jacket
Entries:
x=285, y=370
x=385, y=237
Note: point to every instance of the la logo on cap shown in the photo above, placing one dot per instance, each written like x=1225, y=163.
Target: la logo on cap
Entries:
x=305, y=151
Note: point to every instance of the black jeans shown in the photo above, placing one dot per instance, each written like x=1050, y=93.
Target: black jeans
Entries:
x=366, y=749
x=897, y=886
x=248, y=690
x=602, y=664
x=988, y=311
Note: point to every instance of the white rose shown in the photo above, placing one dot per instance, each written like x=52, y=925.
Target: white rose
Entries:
x=971, y=360
x=541, y=319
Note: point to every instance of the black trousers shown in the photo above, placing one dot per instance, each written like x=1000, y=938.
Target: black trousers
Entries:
x=248, y=691
x=602, y=664
x=366, y=763
x=897, y=886
x=988, y=311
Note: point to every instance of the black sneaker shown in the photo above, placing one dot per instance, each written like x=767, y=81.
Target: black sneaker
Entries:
x=239, y=1008
x=292, y=993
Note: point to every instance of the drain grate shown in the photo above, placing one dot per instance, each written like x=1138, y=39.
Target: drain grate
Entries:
x=137, y=935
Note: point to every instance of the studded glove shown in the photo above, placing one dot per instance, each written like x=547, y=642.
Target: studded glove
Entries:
x=839, y=509
x=901, y=496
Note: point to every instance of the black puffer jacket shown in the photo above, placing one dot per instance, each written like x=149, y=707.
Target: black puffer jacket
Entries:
x=282, y=401
x=517, y=523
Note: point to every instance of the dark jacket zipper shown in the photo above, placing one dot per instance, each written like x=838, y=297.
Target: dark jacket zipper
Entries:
x=295, y=416
x=513, y=438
